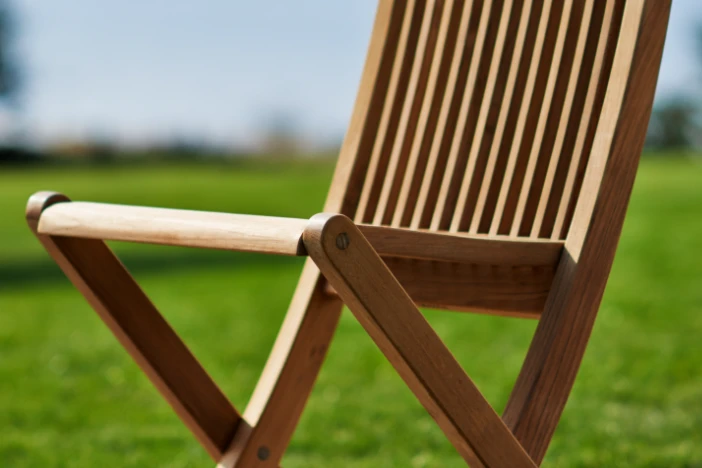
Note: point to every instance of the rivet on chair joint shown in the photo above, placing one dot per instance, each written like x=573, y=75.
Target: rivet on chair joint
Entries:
x=342, y=241
x=263, y=453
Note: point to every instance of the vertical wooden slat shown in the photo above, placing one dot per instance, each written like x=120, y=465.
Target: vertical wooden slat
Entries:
x=504, y=111
x=557, y=102
x=577, y=109
x=469, y=174
x=610, y=52
x=551, y=365
x=522, y=119
x=585, y=120
x=450, y=107
x=387, y=129
x=536, y=146
x=535, y=109
x=357, y=147
x=551, y=129
x=563, y=122
x=443, y=204
x=431, y=106
x=410, y=111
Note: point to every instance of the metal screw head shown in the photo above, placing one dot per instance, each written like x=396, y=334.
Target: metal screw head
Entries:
x=342, y=241
x=263, y=453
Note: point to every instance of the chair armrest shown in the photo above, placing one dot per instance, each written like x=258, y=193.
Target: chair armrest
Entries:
x=164, y=226
x=268, y=234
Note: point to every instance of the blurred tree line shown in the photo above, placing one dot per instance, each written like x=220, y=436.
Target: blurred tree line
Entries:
x=9, y=76
x=10, y=151
x=676, y=123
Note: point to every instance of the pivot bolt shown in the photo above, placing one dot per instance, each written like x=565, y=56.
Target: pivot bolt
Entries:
x=342, y=241
x=263, y=453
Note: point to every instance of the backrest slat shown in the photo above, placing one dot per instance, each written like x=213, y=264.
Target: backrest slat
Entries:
x=564, y=119
x=389, y=120
x=534, y=110
x=554, y=111
x=543, y=117
x=505, y=107
x=428, y=116
x=354, y=157
x=572, y=123
x=585, y=126
x=475, y=84
x=410, y=112
x=479, y=116
x=453, y=96
x=516, y=141
x=477, y=158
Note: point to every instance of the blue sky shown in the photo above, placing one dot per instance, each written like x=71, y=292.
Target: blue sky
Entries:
x=218, y=69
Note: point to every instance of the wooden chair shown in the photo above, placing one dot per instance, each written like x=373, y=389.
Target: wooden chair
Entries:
x=487, y=167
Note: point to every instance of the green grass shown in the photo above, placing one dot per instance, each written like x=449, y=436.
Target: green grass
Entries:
x=70, y=396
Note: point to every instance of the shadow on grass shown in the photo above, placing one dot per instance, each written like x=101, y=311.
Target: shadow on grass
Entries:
x=45, y=271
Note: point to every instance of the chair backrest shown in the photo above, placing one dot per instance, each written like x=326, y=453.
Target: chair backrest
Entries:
x=481, y=116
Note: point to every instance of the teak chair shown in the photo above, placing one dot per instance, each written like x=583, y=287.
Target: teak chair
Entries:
x=487, y=167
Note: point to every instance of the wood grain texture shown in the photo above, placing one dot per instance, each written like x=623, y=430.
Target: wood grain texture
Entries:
x=410, y=113
x=524, y=106
x=282, y=236
x=356, y=149
x=391, y=112
x=543, y=119
x=466, y=287
x=133, y=319
x=500, y=139
x=452, y=98
x=466, y=248
x=417, y=353
x=465, y=125
x=289, y=375
x=479, y=147
x=504, y=108
x=427, y=120
x=554, y=356
x=585, y=121
x=174, y=227
x=566, y=110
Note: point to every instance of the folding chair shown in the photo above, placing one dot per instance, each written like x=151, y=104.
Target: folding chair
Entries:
x=487, y=167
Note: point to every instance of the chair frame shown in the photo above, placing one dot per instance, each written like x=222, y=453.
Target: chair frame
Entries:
x=361, y=266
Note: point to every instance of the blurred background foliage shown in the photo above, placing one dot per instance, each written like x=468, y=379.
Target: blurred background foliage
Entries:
x=675, y=126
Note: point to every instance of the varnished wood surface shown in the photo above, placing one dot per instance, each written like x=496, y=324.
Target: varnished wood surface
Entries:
x=465, y=287
x=551, y=365
x=289, y=375
x=278, y=235
x=135, y=322
x=390, y=317
x=174, y=227
x=488, y=163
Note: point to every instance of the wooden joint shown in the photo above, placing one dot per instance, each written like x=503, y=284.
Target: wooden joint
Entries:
x=38, y=202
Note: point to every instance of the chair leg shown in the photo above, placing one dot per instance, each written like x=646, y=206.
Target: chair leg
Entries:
x=398, y=328
x=123, y=306
x=552, y=362
x=259, y=438
x=290, y=373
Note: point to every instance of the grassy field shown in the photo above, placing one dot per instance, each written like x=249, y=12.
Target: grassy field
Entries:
x=70, y=396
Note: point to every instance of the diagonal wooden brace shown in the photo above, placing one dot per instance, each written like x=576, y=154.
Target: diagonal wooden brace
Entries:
x=140, y=328
x=393, y=321
x=260, y=438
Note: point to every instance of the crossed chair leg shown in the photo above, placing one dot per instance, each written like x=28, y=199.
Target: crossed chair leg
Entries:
x=259, y=437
